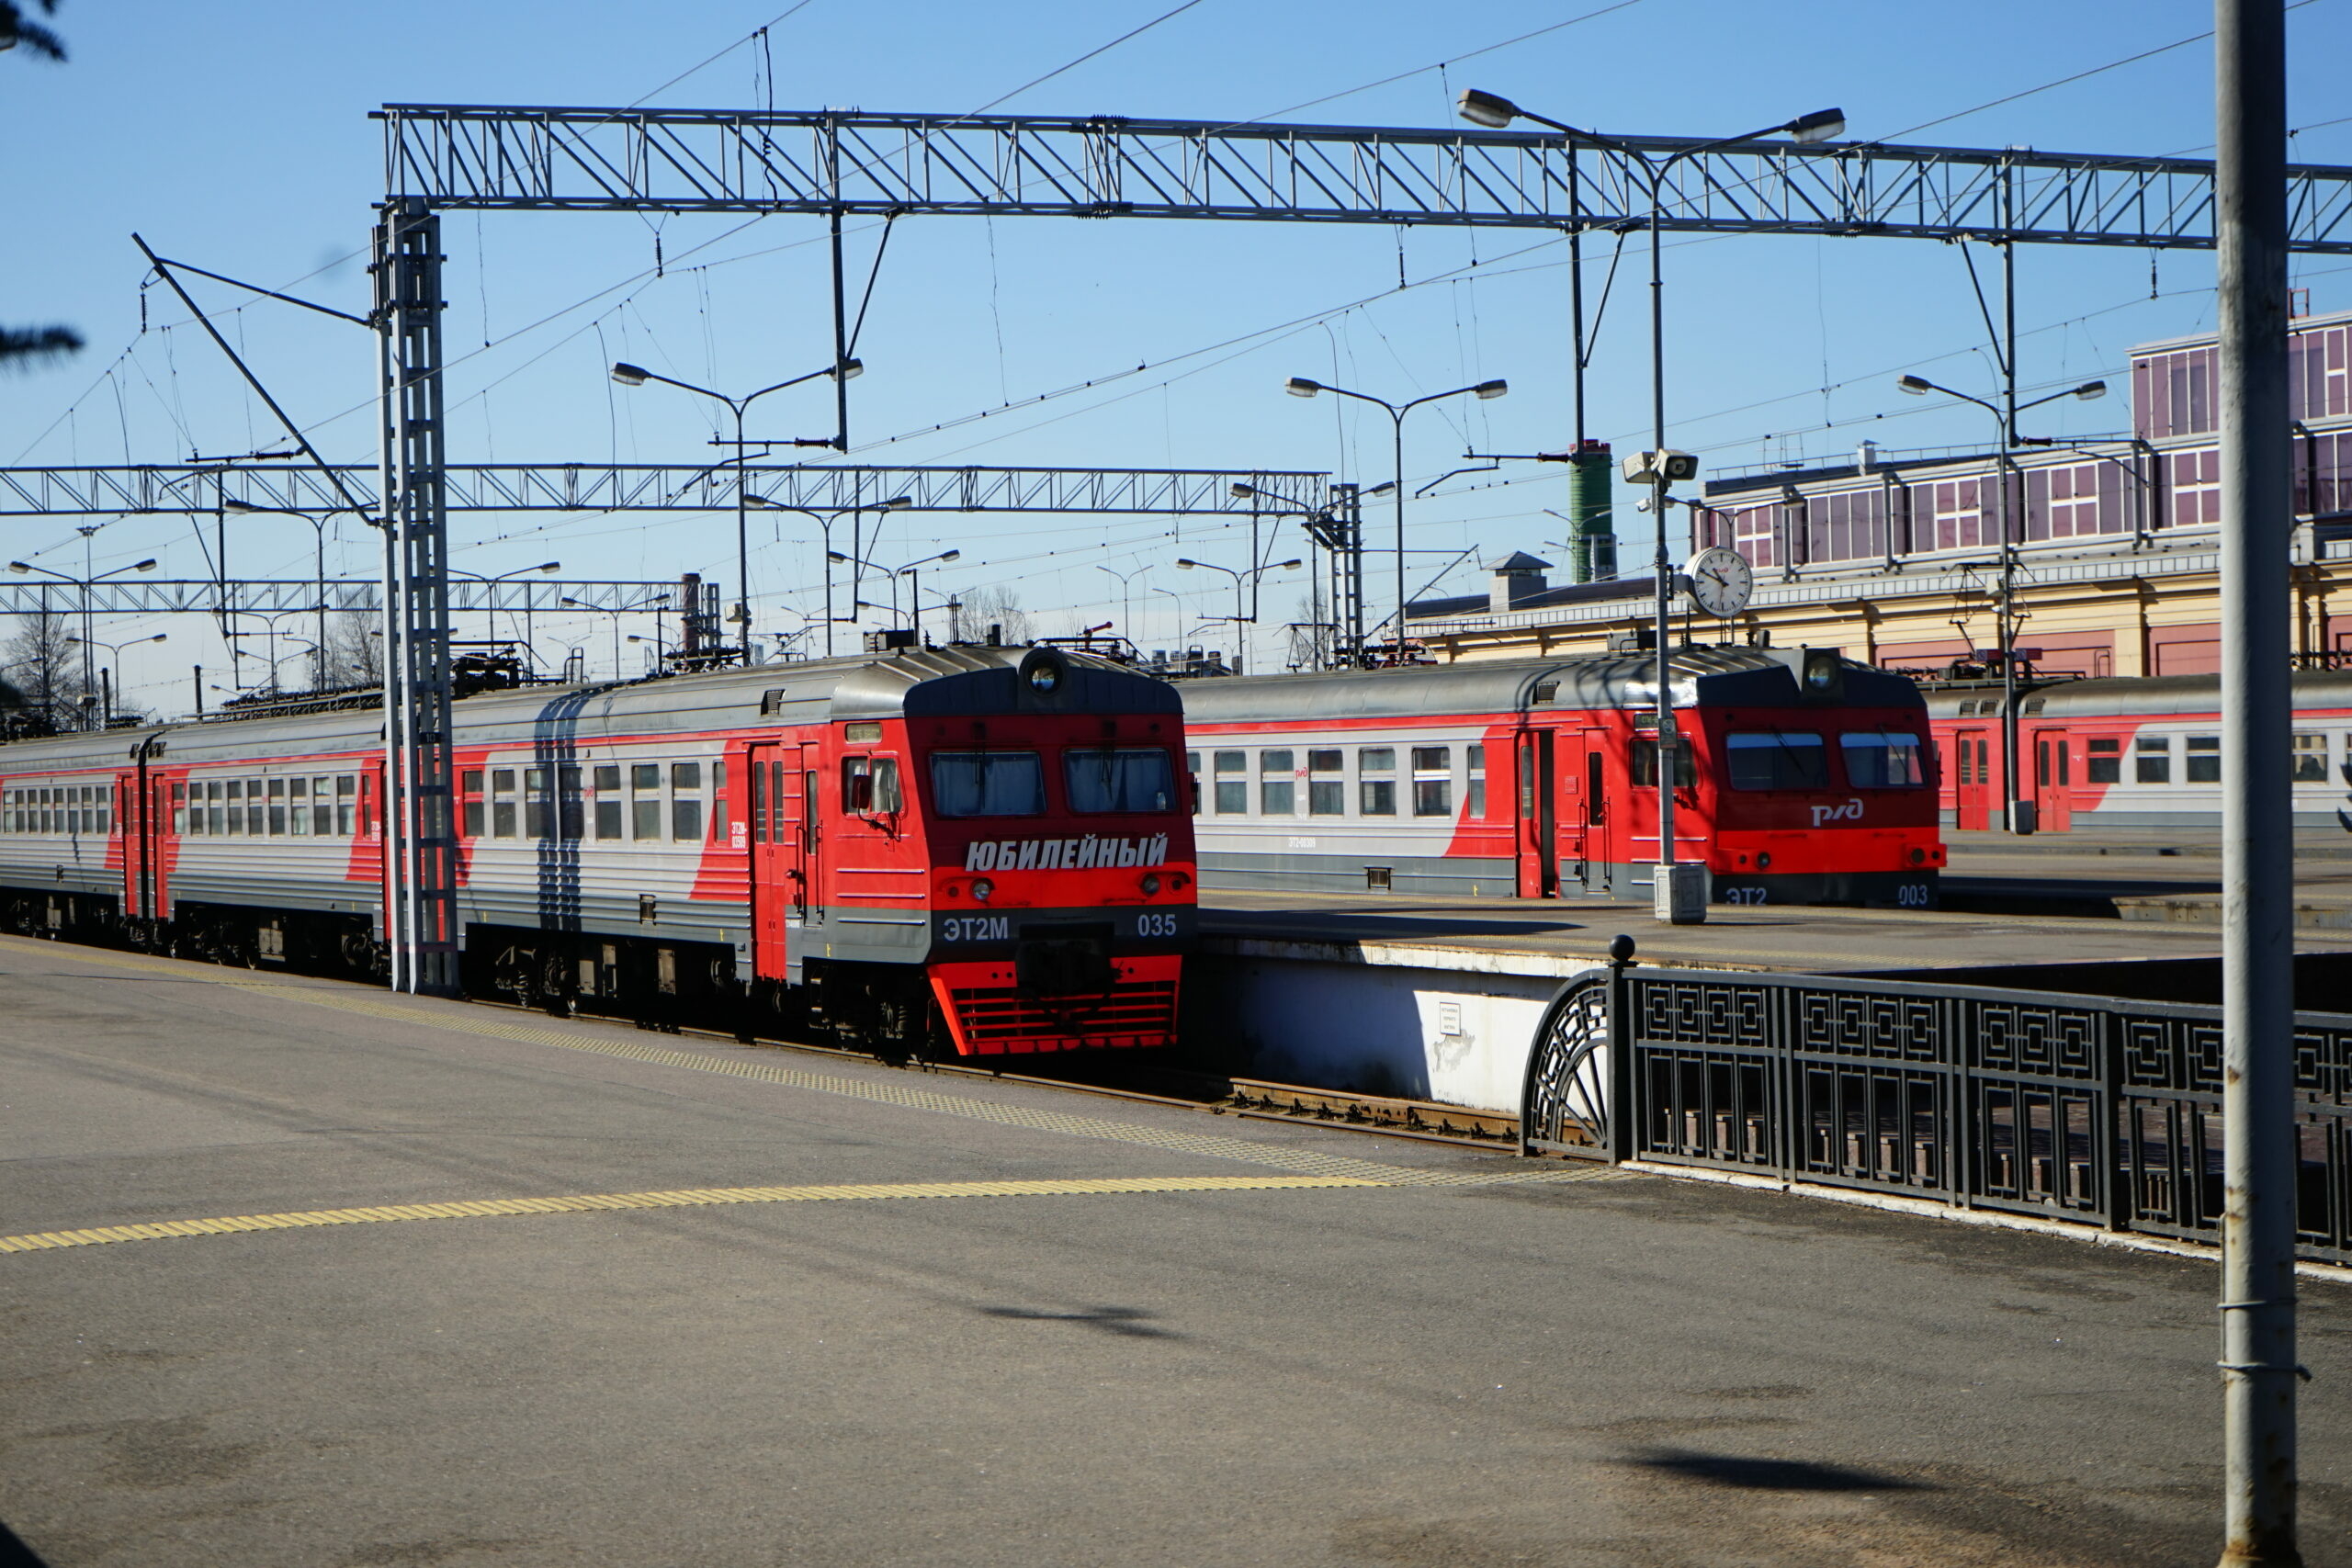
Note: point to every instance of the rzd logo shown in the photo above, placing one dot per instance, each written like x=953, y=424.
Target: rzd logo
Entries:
x=1850, y=812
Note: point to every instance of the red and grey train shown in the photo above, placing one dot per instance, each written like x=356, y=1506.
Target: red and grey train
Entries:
x=1802, y=777
x=970, y=849
x=2129, y=752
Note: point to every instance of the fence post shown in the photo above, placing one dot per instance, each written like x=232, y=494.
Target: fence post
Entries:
x=1622, y=1106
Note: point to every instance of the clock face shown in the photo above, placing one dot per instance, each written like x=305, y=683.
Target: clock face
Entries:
x=1721, y=580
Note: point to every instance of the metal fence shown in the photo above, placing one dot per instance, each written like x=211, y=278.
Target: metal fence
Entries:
x=2090, y=1109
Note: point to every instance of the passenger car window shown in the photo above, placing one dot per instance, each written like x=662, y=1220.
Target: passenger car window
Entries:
x=2103, y=759
x=1432, y=781
x=1276, y=794
x=1232, y=783
x=1118, y=778
x=1375, y=781
x=2151, y=759
x=1327, y=784
x=2204, y=759
x=990, y=784
x=2310, y=761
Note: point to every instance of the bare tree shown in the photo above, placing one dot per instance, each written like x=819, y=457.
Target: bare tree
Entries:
x=44, y=664
x=997, y=605
x=21, y=346
x=353, y=654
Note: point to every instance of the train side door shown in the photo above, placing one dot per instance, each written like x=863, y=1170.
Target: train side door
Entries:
x=786, y=836
x=1975, y=788
x=1536, y=838
x=2052, y=782
x=130, y=822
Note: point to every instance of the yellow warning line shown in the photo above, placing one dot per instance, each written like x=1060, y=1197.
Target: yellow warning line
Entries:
x=687, y=1198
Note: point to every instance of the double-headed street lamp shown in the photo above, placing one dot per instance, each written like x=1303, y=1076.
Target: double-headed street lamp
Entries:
x=655, y=602
x=2016, y=814
x=1253, y=576
x=1679, y=895
x=1300, y=386
x=548, y=567
x=912, y=571
x=629, y=375
x=106, y=681
x=318, y=521
x=84, y=583
x=825, y=522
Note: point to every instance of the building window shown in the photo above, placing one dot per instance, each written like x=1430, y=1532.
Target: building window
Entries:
x=1432, y=781
x=2204, y=759
x=1474, y=759
x=1232, y=782
x=1326, y=783
x=1376, y=781
x=2103, y=760
x=2151, y=759
x=1277, y=794
x=2311, y=759
x=609, y=800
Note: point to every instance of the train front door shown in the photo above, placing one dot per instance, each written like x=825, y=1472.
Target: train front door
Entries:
x=2052, y=782
x=786, y=840
x=1976, y=789
x=1535, y=840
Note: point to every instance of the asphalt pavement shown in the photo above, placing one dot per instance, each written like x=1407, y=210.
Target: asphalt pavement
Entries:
x=301, y=1273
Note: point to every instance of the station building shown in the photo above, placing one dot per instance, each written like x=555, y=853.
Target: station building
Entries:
x=1894, y=555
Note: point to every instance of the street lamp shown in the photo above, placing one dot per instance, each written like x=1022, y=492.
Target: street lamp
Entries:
x=912, y=571
x=548, y=567
x=651, y=602
x=84, y=583
x=1127, y=594
x=1677, y=896
x=1300, y=386
x=825, y=522
x=106, y=681
x=660, y=649
x=1253, y=576
x=319, y=526
x=2017, y=815
x=637, y=376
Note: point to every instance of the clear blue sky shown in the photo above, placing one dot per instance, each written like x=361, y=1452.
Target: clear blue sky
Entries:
x=238, y=138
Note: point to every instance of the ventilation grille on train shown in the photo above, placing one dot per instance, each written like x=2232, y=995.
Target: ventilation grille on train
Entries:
x=999, y=1018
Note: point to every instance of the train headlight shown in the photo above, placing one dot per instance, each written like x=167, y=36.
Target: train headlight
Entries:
x=1918, y=855
x=1763, y=859
x=981, y=888
x=1151, y=885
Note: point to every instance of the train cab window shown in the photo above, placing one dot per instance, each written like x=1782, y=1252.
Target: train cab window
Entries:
x=2151, y=759
x=1277, y=792
x=1775, y=759
x=277, y=808
x=1376, y=781
x=1473, y=805
x=2103, y=759
x=1232, y=782
x=685, y=802
x=2204, y=759
x=606, y=777
x=1882, y=759
x=1193, y=780
x=645, y=800
x=1432, y=781
x=975, y=783
x=1118, y=778
x=2309, y=762
x=870, y=785
x=347, y=804
x=1326, y=783
x=1642, y=762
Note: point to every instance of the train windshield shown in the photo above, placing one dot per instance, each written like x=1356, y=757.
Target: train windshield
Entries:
x=988, y=784
x=1777, y=759
x=1883, y=759
x=1112, y=778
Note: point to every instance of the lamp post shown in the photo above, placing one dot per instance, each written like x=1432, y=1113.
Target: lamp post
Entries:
x=84, y=583
x=825, y=522
x=1300, y=386
x=106, y=686
x=2017, y=815
x=276, y=658
x=1254, y=576
x=1493, y=113
x=844, y=370
x=660, y=649
x=1127, y=594
x=550, y=567
x=318, y=521
x=650, y=602
x=911, y=570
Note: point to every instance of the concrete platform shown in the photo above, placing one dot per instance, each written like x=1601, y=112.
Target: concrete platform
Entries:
x=430, y=1283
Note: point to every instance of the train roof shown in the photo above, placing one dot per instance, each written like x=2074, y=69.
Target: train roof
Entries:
x=911, y=683
x=2133, y=695
x=1711, y=677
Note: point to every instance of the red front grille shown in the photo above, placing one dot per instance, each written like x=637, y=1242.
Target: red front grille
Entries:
x=1138, y=1014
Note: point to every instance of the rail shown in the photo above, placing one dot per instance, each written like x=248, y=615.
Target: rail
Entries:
x=2085, y=1109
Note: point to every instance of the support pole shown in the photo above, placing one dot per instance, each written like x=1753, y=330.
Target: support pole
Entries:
x=2259, y=1149
x=418, y=825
